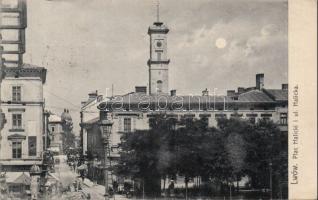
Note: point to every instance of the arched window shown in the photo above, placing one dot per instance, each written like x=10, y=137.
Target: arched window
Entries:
x=159, y=86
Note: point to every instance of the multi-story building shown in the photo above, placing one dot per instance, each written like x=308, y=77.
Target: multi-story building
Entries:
x=55, y=129
x=21, y=93
x=22, y=138
x=92, y=147
x=23, y=106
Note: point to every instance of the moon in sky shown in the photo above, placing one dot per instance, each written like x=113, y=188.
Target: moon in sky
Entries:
x=220, y=43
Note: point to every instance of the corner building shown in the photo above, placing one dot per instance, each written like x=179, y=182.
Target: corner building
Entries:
x=23, y=106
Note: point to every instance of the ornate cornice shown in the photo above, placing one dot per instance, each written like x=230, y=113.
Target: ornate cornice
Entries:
x=26, y=71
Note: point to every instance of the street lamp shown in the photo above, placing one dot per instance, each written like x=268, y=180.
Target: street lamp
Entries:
x=270, y=180
x=105, y=129
x=35, y=173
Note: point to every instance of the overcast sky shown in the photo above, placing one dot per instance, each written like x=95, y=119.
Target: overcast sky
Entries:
x=89, y=45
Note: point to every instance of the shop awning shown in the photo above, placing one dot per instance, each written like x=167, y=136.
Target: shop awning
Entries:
x=18, y=178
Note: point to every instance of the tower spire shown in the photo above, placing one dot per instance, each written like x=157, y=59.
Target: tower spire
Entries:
x=158, y=11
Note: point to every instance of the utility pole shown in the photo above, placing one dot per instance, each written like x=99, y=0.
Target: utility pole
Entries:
x=105, y=128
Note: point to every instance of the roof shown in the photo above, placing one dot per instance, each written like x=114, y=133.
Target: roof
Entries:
x=92, y=121
x=26, y=70
x=55, y=118
x=277, y=94
x=93, y=101
x=158, y=27
x=144, y=101
x=254, y=96
x=141, y=97
x=135, y=98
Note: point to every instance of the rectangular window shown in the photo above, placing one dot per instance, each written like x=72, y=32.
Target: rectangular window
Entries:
x=158, y=56
x=52, y=128
x=266, y=116
x=152, y=122
x=16, y=121
x=127, y=124
x=16, y=149
x=32, y=145
x=220, y=115
x=16, y=93
x=252, y=120
x=172, y=123
x=283, y=118
x=188, y=121
x=205, y=121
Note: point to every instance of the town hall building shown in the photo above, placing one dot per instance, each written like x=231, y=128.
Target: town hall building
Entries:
x=135, y=110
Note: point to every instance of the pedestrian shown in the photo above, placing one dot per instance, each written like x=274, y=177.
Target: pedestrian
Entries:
x=75, y=186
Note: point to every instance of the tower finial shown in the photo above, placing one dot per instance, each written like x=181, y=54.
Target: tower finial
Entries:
x=158, y=10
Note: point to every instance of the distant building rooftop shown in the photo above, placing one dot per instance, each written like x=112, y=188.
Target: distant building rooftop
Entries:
x=54, y=118
x=255, y=97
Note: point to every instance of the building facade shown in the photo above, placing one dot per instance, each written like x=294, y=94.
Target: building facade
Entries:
x=55, y=129
x=23, y=105
x=92, y=147
x=22, y=137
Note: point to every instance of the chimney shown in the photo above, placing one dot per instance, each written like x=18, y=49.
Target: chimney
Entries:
x=141, y=89
x=93, y=95
x=285, y=86
x=205, y=92
x=259, y=81
x=173, y=92
x=230, y=93
x=240, y=90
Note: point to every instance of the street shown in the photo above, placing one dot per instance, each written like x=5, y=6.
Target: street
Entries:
x=68, y=176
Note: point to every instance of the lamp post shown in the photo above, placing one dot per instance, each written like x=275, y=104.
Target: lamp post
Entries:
x=105, y=129
x=270, y=180
x=35, y=173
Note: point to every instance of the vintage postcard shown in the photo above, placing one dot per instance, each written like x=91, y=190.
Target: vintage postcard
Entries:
x=158, y=99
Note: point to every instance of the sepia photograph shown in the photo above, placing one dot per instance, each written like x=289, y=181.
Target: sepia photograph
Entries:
x=146, y=99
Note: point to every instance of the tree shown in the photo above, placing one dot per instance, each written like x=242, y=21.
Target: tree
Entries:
x=145, y=155
x=267, y=145
x=222, y=154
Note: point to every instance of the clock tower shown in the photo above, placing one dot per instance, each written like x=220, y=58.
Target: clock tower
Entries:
x=158, y=61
